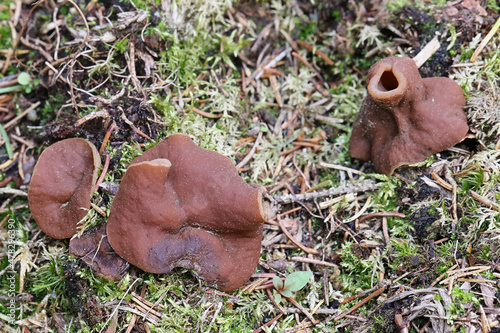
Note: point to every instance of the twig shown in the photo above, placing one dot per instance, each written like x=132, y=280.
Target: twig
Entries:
x=485, y=40
x=135, y=129
x=219, y=85
x=103, y=173
x=427, y=52
x=307, y=63
x=381, y=214
x=314, y=261
x=289, y=198
x=317, y=52
x=303, y=310
x=24, y=113
x=110, y=130
x=92, y=115
x=258, y=73
x=119, y=303
x=296, y=242
x=441, y=181
x=250, y=154
x=269, y=323
x=485, y=201
x=361, y=211
x=340, y=167
x=271, y=297
x=360, y=304
x=205, y=114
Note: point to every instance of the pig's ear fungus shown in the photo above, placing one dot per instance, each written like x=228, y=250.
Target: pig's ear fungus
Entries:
x=179, y=205
x=405, y=119
x=61, y=186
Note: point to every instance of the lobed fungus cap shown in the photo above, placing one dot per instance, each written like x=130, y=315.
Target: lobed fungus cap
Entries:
x=179, y=205
x=61, y=186
x=405, y=119
x=94, y=249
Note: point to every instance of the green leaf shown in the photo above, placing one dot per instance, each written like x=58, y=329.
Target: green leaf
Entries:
x=277, y=282
x=286, y=292
x=24, y=79
x=297, y=280
x=277, y=297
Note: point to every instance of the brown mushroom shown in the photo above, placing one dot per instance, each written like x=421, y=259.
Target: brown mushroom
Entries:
x=179, y=205
x=61, y=186
x=94, y=249
x=405, y=119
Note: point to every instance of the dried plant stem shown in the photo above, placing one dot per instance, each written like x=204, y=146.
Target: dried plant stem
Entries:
x=485, y=201
x=485, y=41
x=250, y=154
x=269, y=323
x=360, y=304
x=304, y=310
x=296, y=242
x=289, y=198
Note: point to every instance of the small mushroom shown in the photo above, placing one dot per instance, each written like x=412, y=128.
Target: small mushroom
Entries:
x=179, y=205
x=61, y=186
x=405, y=119
x=94, y=249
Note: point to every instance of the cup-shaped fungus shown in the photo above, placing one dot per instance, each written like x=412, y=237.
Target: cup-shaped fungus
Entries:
x=94, y=249
x=405, y=119
x=179, y=205
x=62, y=185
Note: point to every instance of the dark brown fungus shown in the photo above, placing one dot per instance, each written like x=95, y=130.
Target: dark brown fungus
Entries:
x=179, y=205
x=61, y=186
x=94, y=249
x=405, y=119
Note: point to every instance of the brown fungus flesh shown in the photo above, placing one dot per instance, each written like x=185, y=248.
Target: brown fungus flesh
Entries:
x=62, y=185
x=405, y=119
x=179, y=205
x=94, y=250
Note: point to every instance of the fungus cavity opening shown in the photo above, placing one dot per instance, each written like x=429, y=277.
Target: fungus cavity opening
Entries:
x=388, y=81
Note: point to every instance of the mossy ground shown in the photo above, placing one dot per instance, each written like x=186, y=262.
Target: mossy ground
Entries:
x=148, y=68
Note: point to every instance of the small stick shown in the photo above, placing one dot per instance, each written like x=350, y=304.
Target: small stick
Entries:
x=303, y=310
x=441, y=181
x=485, y=41
x=307, y=63
x=296, y=242
x=317, y=52
x=92, y=115
x=289, y=198
x=24, y=113
x=289, y=151
x=290, y=41
x=205, y=114
x=103, y=173
x=314, y=261
x=361, y=211
x=250, y=154
x=135, y=129
x=427, y=52
x=450, y=179
x=276, y=90
x=381, y=214
x=385, y=230
x=269, y=323
x=271, y=297
x=340, y=167
x=110, y=130
x=360, y=304
x=485, y=201
x=219, y=85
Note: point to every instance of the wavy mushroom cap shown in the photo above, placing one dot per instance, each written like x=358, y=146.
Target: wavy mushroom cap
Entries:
x=179, y=205
x=61, y=186
x=94, y=250
x=405, y=119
